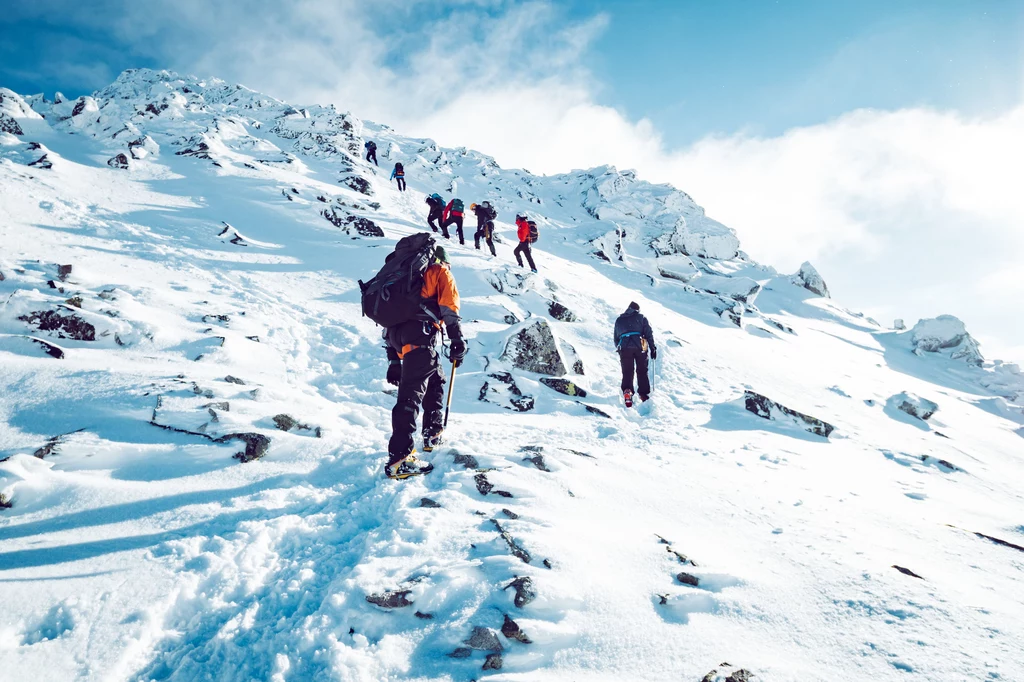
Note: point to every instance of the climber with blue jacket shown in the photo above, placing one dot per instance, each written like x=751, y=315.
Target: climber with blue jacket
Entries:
x=634, y=338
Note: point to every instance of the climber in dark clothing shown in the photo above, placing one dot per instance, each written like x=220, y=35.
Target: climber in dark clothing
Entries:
x=371, y=152
x=436, y=204
x=414, y=367
x=633, y=339
x=399, y=174
x=485, y=215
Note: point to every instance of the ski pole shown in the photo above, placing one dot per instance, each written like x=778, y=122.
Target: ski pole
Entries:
x=448, y=404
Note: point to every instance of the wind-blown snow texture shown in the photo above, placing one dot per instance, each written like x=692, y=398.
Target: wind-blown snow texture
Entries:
x=210, y=313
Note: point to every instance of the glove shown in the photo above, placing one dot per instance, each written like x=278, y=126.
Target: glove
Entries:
x=394, y=373
x=654, y=354
x=458, y=351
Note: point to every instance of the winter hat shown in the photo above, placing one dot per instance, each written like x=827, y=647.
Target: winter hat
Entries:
x=634, y=306
x=440, y=255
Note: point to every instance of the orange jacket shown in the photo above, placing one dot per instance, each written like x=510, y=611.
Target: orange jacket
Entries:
x=524, y=231
x=439, y=285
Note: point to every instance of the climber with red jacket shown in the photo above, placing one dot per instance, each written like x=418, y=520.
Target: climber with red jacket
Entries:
x=453, y=213
x=527, y=233
x=414, y=367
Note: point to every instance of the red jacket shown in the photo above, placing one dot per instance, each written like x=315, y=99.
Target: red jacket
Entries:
x=448, y=209
x=524, y=231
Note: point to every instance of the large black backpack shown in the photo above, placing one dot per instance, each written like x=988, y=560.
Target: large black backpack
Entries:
x=489, y=212
x=393, y=295
x=534, y=232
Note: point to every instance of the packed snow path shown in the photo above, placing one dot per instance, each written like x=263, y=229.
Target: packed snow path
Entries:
x=560, y=536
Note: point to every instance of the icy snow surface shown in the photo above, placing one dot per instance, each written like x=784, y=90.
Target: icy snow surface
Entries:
x=212, y=292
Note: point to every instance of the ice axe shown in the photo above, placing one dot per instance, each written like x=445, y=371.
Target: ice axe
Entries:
x=448, y=403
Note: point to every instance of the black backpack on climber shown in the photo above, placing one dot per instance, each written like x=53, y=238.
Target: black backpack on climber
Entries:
x=534, y=233
x=489, y=212
x=393, y=295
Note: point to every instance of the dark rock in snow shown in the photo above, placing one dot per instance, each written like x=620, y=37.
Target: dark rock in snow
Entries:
x=66, y=326
x=120, y=161
x=913, y=405
x=74, y=301
x=768, y=409
x=511, y=630
x=564, y=386
x=560, y=312
x=429, y=503
x=461, y=652
x=533, y=349
x=593, y=410
x=516, y=550
x=234, y=380
x=354, y=182
x=493, y=662
x=9, y=124
x=346, y=221
x=256, y=445
x=525, y=592
x=510, y=514
x=1003, y=543
x=483, y=486
x=907, y=571
x=504, y=389
x=484, y=639
x=424, y=616
x=4, y=502
x=688, y=579
x=50, y=349
x=42, y=162
x=391, y=600
x=808, y=278
x=467, y=461
x=728, y=673
x=537, y=461
x=63, y=272
x=286, y=422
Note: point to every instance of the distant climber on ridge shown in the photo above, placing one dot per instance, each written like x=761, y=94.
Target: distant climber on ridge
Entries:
x=453, y=213
x=436, y=204
x=371, y=152
x=485, y=215
x=633, y=339
x=413, y=314
x=527, y=233
x=399, y=174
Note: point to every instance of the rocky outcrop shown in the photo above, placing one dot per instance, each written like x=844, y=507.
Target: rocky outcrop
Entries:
x=501, y=390
x=9, y=124
x=363, y=227
x=533, y=349
x=511, y=630
x=120, y=161
x=808, y=278
x=256, y=445
x=564, y=386
x=66, y=326
x=513, y=546
x=946, y=334
x=769, y=409
x=525, y=591
x=395, y=599
x=915, y=406
x=357, y=184
x=561, y=313
x=484, y=639
x=728, y=673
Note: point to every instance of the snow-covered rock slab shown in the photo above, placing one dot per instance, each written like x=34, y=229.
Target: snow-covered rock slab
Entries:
x=769, y=409
x=915, y=406
x=808, y=278
x=946, y=334
x=533, y=349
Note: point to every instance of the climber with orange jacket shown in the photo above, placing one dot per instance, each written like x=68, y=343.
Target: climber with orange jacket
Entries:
x=414, y=367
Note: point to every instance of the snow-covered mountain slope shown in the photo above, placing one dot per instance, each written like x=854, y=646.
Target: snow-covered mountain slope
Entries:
x=808, y=496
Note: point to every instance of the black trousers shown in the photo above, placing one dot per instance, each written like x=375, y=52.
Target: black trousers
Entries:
x=372, y=156
x=482, y=233
x=635, y=358
x=524, y=248
x=453, y=220
x=422, y=384
x=435, y=214
x=401, y=184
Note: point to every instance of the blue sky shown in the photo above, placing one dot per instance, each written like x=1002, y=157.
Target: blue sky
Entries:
x=883, y=141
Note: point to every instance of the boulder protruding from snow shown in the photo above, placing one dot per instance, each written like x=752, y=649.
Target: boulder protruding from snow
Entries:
x=946, y=333
x=501, y=389
x=729, y=673
x=808, y=278
x=65, y=326
x=915, y=406
x=769, y=409
x=564, y=386
x=533, y=349
x=9, y=124
x=120, y=162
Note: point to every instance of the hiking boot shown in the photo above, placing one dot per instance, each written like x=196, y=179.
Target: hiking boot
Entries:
x=644, y=398
x=433, y=441
x=534, y=270
x=628, y=397
x=404, y=467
